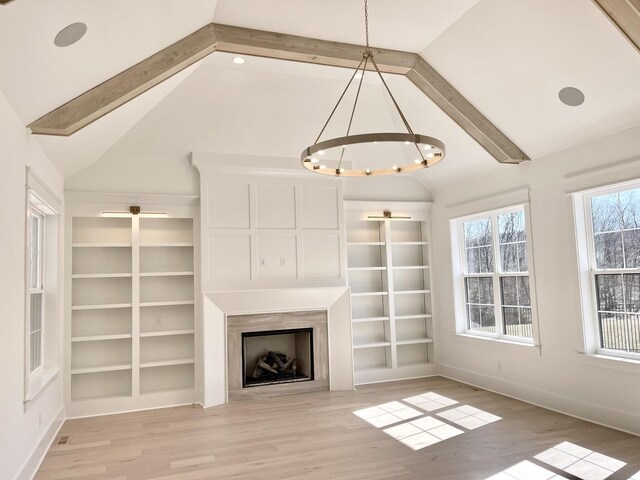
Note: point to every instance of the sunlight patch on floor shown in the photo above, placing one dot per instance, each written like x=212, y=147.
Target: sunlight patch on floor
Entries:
x=580, y=461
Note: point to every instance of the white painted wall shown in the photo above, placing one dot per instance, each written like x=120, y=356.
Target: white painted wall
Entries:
x=560, y=378
x=23, y=425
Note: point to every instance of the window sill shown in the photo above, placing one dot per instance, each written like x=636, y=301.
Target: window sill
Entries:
x=38, y=383
x=611, y=362
x=526, y=347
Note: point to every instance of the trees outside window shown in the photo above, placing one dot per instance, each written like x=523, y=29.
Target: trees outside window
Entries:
x=615, y=268
x=495, y=274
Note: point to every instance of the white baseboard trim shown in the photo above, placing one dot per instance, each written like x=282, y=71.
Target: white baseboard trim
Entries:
x=573, y=407
x=31, y=465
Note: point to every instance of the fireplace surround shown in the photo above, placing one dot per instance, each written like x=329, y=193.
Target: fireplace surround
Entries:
x=288, y=330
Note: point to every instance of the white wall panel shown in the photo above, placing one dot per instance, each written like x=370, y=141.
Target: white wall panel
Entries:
x=277, y=257
x=229, y=257
x=321, y=256
x=229, y=205
x=276, y=206
x=320, y=208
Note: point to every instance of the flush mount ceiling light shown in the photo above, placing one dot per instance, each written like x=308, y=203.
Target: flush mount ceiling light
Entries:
x=70, y=34
x=238, y=60
x=429, y=150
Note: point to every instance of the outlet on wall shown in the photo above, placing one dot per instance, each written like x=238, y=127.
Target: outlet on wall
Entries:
x=263, y=261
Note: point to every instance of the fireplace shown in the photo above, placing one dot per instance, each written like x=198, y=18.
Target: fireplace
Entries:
x=277, y=356
x=263, y=348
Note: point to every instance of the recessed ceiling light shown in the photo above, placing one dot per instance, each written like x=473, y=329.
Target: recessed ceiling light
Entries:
x=239, y=60
x=358, y=76
x=70, y=34
x=571, y=96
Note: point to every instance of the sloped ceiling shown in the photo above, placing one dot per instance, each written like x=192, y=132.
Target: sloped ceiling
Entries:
x=508, y=58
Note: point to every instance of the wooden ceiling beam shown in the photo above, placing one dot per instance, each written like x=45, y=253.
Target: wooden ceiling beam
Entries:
x=118, y=90
x=625, y=15
x=461, y=111
x=125, y=86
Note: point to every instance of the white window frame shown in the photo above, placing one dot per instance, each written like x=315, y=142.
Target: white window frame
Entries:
x=587, y=264
x=460, y=275
x=37, y=290
x=42, y=201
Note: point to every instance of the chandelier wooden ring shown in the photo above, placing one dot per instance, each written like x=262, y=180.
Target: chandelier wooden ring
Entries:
x=434, y=153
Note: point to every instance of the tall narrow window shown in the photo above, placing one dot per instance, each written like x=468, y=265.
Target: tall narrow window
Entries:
x=495, y=271
x=36, y=289
x=615, y=267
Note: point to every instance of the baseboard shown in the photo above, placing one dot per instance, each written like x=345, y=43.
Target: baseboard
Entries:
x=573, y=407
x=31, y=465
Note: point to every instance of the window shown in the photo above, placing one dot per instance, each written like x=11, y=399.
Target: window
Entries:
x=42, y=287
x=613, y=232
x=494, y=274
x=36, y=289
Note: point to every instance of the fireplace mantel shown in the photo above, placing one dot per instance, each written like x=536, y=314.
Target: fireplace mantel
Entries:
x=334, y=301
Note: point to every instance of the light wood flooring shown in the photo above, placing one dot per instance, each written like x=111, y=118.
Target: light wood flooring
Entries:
x=317, y=436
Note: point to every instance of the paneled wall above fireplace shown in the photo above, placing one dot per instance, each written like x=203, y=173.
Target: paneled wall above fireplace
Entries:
x=269, y=226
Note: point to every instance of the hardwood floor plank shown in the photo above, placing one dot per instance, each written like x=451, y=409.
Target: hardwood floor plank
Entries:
x=317, y=436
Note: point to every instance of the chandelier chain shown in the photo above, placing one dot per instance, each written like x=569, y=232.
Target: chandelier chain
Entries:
x=366, y=23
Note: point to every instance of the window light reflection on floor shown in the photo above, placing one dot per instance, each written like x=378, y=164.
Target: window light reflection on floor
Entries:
x=526, y=471
x=430, y=401
x=636, y=476
x=423, y=432
x=581, y=462
x=387, y=414
x=469, y=417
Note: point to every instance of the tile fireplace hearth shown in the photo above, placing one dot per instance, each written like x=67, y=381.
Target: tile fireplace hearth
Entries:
x=277, y=354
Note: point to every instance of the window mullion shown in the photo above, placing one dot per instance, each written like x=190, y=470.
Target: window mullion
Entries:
x=497, y=268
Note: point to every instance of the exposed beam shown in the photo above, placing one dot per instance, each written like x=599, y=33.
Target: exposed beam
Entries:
x=123, y=87
x=434, y=86
x=625, y=15
x=308, y=50
x=118, y=90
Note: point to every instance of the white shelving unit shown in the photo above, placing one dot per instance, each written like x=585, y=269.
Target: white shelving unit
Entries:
x=390, y=279
x=132, y=321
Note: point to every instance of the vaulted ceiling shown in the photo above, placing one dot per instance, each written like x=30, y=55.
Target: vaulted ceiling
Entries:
x=509, y=59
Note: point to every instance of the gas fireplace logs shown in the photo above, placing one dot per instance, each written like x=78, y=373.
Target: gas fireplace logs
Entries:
x=275, y=363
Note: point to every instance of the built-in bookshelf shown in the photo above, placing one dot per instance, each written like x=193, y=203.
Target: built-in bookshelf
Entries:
x=390, y=279
x=132, y=328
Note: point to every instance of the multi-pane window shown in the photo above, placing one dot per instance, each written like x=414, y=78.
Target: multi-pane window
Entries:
x=615, y=267
x=496, y=274
x=36, y=289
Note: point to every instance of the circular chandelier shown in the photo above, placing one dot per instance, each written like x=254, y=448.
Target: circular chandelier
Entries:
x=429, y=150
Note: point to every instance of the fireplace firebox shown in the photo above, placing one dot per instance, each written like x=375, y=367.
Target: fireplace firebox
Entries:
x=277, y=356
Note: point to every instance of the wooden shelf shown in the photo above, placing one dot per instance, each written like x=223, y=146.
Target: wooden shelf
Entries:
x=384, y=340
x=153, y=245
x=369, y=319
x=163, y=304
x=414, y=341
x=371, y=345
x=101, y=275
x=100, y=368
x=166, y=363
x=363, y=269
x=411, y=267
x=149, y=262
x=369, y=294
x=166, y=274
x=166, y=333
x=100, y=338
x=101, y=245
x=101, y=307
x=411, y=317
x=364, y=244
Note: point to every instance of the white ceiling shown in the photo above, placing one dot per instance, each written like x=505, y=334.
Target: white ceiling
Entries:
x=509, y=58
